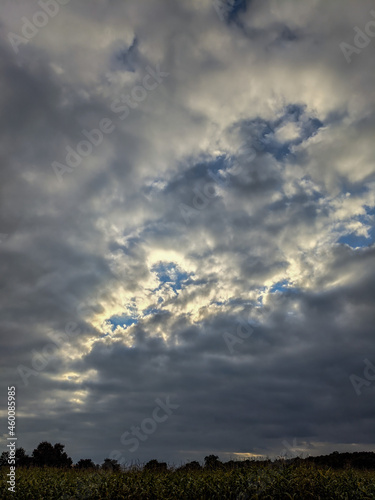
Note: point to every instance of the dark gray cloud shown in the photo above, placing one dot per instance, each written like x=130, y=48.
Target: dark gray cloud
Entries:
x=216, y=246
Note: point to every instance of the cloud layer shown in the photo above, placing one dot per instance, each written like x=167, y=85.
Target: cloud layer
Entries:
x=212, y=241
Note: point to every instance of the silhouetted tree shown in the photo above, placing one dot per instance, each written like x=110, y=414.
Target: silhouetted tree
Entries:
x=336, y=460
x=212, y=462
x=110, y=464
x=51, y=456
x=4, y=458
x=191, y=466
x=155, y=465
x=22, y=459
x=85, y=463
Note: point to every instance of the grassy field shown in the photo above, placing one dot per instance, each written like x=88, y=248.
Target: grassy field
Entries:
x=300, y=482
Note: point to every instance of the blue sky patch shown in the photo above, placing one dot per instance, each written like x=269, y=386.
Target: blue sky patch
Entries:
x=227, y=10
x=122, y=320
x=355, y=241
x=169, y=273
x=260, y=134
x=127, y=58
x=280, y=286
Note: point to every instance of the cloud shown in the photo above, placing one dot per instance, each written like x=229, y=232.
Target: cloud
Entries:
x=265, y=133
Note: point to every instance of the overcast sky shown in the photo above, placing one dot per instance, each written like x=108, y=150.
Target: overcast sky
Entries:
x=188, y=189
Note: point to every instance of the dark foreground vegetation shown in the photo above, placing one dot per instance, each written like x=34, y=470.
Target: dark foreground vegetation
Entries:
x=336, y=476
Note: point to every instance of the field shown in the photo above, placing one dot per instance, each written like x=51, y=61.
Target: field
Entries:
x=299, y=482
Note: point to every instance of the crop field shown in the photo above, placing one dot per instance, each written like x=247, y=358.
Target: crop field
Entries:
x=299, y=482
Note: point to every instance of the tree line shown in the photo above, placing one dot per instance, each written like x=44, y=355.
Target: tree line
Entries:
x=48, y=455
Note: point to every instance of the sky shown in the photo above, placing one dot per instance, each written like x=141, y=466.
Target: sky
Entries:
x=187, y=227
